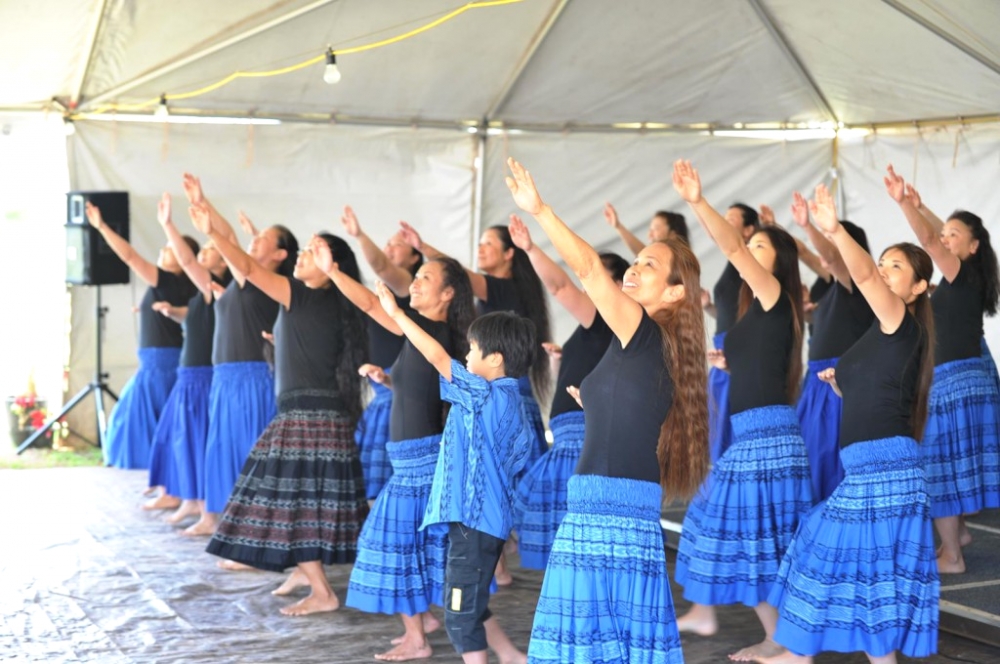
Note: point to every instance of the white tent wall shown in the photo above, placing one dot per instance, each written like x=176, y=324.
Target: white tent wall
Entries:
x=297, y=175
x=952, y=167
x=577, y=173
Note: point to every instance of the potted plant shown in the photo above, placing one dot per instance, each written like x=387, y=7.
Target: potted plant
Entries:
x=26, y=415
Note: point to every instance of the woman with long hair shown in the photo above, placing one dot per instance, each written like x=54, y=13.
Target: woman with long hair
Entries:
x=395, y=265
x=541, y=493
x=606, y=595
x=133, y=420
x=300, y=501
x=961, y=443
x=737, y=528
x=181, y=434
x=241, y=401
x=400, y=568
x=860, y=572
x=663, y=226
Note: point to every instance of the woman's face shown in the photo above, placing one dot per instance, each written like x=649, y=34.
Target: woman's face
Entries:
x=400, y=253
x=427, y=290
x=210, y=258
x=898, y=274
x=957, y=238
x=734, y=216
x=305, y=266
x=491, y=255
x=647, y=279
x=659, y=230
x=167, y=260
x=762, y=249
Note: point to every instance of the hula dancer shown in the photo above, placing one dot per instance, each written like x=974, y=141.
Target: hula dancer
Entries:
x=663, y=226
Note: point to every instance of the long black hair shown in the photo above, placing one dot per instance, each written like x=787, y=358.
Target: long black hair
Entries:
x=462, y=308
x=983, y=262
x=536, y=309
x=857, y=234
x=614, y=264
x=353, y=329
x=675, y=222
x=287, y=241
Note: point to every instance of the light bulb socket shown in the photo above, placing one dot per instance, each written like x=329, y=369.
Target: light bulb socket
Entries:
x=331, y=59
x=161, y=109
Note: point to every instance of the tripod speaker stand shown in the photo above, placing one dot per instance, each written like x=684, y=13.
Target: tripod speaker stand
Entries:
x=97, y=387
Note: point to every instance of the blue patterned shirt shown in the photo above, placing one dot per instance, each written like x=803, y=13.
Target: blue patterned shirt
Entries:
x=485, y=444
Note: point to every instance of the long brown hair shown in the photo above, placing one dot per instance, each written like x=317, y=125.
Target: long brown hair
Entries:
x=683, y=446
x=923, y=268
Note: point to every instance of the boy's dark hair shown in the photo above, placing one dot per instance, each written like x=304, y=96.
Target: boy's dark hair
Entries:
x=510, y=335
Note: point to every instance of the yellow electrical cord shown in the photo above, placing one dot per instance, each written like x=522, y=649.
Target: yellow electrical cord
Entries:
x=308, y=63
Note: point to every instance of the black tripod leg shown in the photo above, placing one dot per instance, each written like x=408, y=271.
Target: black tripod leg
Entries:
x=102, y=422
x=108, y=390
x=62, y=413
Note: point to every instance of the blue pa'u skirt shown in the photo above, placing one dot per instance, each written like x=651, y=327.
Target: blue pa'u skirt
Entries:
x=819, y=410
x=399, y=568
x=540, y=501
x=860, y=573
x=739, y=525
x=961, y=445
x=132, y=424
x=371, y=436
x=536, y=425
x=606, y=594
x=720, y=431
x=242, y=404
x=179, y=445
x=991, y=366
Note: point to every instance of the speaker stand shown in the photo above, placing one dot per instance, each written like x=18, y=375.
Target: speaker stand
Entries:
x=97, y=387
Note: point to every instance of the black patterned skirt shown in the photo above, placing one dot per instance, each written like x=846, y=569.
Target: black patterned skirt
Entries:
x=300, y=497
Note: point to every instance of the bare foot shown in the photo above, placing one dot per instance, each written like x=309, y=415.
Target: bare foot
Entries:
x=431, y=625
x=951, y=565
x=187, y=509
x=406, y=651
x=151, y=491
x=204, y=528
x=234, y=566
x=294, y=581
x=698, y=625
x=964, y=536
x=162, y=502
x=312, y=604
x=785, y=657
x=755, y=653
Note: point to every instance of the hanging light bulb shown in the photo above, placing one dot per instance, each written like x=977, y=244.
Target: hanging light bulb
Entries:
x=332, y=74
x=161, y=109
x=68, y=126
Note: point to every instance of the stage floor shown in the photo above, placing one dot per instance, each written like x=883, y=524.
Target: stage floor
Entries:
x=86, y=576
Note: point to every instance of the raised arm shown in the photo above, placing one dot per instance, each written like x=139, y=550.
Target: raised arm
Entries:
x=361, y=297
x=428, y=346
x=275, y=286
x=887, y=306
x=176, y=314
x=631, y=241
x=622, y=313
x=413, y=239
x=556, y=281
x=764, y=285
x=927, y=235
x=806, y=255
x=829, y=258
x=197, y=273
x=144, y=269
x=914, y=197
x=196, y=196
x=395, y=277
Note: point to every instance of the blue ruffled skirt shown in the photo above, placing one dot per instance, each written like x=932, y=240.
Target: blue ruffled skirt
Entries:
x=819, y=410
x=371, y=436
x=399, y=568
x=606, y=595
x=961, y=445
x=738, y=527
x=242, y=404
x=720, y=430
x=132, y=423
x=860, y=573
x=540, y=501
x=182, y=433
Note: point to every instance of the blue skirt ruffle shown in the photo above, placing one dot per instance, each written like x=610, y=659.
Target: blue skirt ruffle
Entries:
x=991, y=365
x=540, y=501
x=961, y=445
x=399, y=568
x=181, y=434
x=860, y=573
x=720, y=430
x=606, y=595
x=371, y=436
x=819, y=411
x=535, y=423
x=738, y=527
x=242, y=404
x=132, y=424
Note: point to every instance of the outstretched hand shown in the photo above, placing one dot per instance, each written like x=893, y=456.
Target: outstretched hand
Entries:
x=192, y=189
x=767, y=215
x=519, y=233
x=824, y=211
x=162, y=307
x=201, y=218
x=686, y=181
x=552, y=350
x=895, y=185
x=163, y=209
x=800, y=210
x=322, y=255
x=411, y=236
x=246, y=224
x=574, y=392
x=350, y=222
x=373, y=372
x=829, y=376
x=717, y=359
x=387, y=299
x=267, y=336
x=522, y=188
x=912, y=196
x=611, y=216
x=94, y=217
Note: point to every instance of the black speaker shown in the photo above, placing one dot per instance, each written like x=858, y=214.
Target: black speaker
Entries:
x=89, y=259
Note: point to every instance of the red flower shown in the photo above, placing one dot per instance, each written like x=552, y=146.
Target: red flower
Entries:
x=37, y=419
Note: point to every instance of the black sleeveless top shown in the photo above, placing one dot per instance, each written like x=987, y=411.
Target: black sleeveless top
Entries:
x=581, y=353
x=308, y=340
x=155, y=329
x=878, y=378
x=416, y=393
x=501, y=295
x=958, y=318
x=241, y=314
x=383, y=345
x=841, y=318
x=199, y=328
x=626, y=399
x=726, y=295
x=757, y=351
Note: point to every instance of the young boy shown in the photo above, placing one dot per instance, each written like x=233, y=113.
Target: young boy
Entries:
x=485, y=444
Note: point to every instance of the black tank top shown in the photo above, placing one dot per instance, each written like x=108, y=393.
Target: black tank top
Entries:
x=501, y=295
x=958, y=318
x=416, y=393
x=155, y=329
x=308, y=340
x=757, y=351
x=581, y=353
x=383, y=345
x=727, y=299
x=878, y=378
x=841, y=318
x=241, y=314
x=199, y=328
x=626, y=399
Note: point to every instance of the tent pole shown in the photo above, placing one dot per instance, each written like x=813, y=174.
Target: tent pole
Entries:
x=80, y=80
x=477, y=194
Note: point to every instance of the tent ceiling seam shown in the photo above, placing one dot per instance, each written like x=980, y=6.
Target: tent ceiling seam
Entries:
x=792, y=56
x=92, y=40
